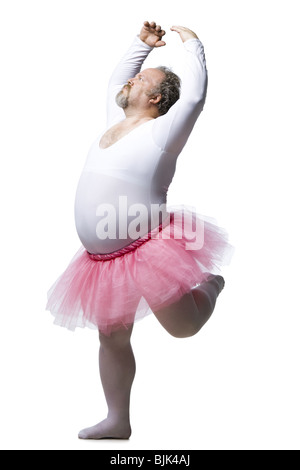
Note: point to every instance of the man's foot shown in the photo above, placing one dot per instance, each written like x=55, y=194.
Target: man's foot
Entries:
x=216, y=280
x=106, y=430
x=206, y=294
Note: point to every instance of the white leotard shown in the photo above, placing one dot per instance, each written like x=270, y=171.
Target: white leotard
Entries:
x=140, y=166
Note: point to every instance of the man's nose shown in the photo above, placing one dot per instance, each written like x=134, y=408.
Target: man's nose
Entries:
x=131, y=81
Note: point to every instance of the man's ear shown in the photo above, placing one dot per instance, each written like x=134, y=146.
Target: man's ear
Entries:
x=156, y=99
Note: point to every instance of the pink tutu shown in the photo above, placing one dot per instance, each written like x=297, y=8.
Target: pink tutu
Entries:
x=112, y=291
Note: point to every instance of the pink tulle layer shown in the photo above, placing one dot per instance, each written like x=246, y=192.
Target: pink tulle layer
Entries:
x=114, y=293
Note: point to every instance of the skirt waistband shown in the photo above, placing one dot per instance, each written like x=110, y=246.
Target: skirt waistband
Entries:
x=129, y=248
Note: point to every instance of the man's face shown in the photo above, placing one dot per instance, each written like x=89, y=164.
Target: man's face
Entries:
x=136, y=91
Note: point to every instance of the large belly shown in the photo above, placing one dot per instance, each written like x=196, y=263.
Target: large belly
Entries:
x=111, y=213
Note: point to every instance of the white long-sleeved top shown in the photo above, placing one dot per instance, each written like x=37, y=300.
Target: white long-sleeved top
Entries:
x=128, y=181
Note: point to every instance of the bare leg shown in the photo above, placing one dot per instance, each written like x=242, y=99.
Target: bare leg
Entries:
x=187, y=316
x=117, y=371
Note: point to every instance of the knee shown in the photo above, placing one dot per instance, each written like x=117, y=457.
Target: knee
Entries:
x=117, y=340
x=185, y=331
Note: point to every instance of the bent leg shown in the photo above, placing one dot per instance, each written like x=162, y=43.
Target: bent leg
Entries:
x=187, y=316
x=117, y=371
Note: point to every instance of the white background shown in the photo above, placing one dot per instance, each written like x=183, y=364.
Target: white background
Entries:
x=235, y=385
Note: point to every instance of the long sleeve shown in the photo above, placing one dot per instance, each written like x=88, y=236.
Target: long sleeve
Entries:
x=172, y=130
x=128, y=67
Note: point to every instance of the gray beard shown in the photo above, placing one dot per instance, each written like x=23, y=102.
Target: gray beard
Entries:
x=122, y=100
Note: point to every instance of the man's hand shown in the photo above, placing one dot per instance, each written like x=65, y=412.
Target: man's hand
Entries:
x=152, y=34
x=184, y=33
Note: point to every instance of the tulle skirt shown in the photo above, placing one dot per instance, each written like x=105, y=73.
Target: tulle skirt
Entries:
x=113, y=291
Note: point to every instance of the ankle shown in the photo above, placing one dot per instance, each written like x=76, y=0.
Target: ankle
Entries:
x=119, y=418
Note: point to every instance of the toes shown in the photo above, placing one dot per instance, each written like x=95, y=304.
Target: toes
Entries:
x=84, y=434
x=216, y=278
x=221, y=282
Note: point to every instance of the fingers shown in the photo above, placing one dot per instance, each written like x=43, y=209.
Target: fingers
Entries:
x=180, y=29
x=152, y=34
x=152, y=25
x=160, y=43
x=154, y=28
x=185, y=33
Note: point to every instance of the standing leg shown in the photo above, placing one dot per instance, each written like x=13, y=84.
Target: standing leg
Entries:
x=117, y=371
x=187, y=316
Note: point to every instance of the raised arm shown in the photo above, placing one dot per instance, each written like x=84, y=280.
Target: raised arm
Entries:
x=150, y=37
x=172, y=130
